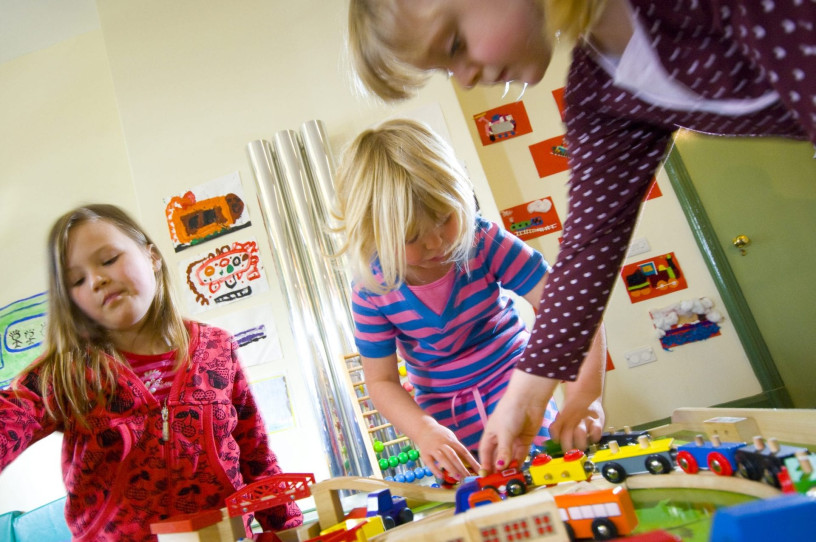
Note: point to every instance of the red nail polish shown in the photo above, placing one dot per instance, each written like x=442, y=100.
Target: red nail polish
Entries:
x=500, y=462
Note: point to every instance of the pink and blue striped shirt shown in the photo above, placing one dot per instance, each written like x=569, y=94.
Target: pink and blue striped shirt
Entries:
x=460, y=359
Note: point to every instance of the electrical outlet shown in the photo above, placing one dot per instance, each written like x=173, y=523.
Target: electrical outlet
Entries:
x=640, y=356
x=638, y=246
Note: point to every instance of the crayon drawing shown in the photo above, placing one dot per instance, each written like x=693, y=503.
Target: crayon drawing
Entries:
x=207, y=211
x=22, y=325
x=654, y=277
x=502, y=123
x=532, y=219
x=228, y=273
x=255, y=332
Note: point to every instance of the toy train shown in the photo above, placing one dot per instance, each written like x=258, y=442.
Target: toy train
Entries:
x=626, y=453
x=762, y=461
x=617, y=462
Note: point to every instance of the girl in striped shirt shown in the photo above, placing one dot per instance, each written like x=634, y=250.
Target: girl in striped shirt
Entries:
x=428, y=274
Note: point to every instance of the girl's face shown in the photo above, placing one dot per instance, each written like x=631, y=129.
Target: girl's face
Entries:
x=480, y=41
x=111, y=278
x=432, y=249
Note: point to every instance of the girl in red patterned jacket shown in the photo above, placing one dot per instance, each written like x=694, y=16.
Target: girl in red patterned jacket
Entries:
x=640, y=70
x=157, y=415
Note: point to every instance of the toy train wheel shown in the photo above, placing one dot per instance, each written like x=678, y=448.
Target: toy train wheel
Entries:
x=613, y=472
x=515, y=488
x=604, y=529
x=406, y=515
x=688, y=463
x=570, y=532
x=769, y=478
x=389, y=522
x=657, y=464
x=718, y=464
x=748, y=471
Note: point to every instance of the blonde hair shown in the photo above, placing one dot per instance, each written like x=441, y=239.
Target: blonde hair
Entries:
x=396, y=182
x=379, y=45
x=74, y=342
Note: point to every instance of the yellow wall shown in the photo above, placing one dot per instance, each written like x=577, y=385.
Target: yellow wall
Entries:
x=61, y=145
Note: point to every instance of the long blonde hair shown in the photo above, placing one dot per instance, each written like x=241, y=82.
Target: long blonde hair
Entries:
x=378, y=42
x=75, y=343
x=395, y=182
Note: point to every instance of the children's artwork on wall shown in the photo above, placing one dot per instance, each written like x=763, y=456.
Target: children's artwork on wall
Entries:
x=685, y=322
x=550, y=156
x=652, y=278
x=504, y=122
x=226, y=274
x=207, y=211
x=272, y=397
x=22, y=331
x=532, y=219
x=255, y=332
x=654, y=191
x=558, y=95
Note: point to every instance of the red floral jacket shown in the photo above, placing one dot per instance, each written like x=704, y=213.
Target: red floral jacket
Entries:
x=119, y=472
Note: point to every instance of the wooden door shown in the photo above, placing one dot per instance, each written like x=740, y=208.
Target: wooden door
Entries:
x=763, y=189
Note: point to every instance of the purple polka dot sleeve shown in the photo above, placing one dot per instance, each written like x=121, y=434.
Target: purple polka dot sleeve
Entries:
x=719, y=49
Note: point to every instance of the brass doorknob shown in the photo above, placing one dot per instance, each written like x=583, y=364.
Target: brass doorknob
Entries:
x=741, y=241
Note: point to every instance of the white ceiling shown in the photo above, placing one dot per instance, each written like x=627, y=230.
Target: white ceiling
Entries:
x=31, y=25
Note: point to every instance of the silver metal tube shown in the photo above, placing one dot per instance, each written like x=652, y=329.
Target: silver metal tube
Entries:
x=280, y=229
x=334, y=322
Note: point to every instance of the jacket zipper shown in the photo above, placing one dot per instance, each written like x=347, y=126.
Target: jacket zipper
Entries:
x=165, y=422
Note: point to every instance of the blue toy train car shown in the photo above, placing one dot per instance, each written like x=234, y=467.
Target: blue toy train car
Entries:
x=718, y=457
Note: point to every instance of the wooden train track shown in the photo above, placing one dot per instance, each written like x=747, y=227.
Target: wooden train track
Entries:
x=702, y=480
x=330, y=508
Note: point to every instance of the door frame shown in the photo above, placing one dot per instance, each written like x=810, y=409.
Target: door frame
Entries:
x=774, y=393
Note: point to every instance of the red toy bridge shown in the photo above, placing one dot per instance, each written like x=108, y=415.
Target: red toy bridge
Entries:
x=269, y=492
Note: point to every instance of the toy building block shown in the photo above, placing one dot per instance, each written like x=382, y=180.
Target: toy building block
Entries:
x=369, y=527
x=198, y=527
x=731, y=428
x=789, y=517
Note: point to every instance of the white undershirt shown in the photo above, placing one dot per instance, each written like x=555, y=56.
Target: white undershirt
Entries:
x=640, y=72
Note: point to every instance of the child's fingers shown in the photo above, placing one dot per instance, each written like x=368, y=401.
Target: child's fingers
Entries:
x=470, y=460
x=487, y=451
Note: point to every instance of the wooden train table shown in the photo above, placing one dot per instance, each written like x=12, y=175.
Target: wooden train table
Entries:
x=678, y=503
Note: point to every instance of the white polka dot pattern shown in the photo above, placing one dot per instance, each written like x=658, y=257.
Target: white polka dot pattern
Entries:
x=720, y=50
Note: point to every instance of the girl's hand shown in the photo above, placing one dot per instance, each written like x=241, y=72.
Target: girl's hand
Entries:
x=440, y=449
x=580, y=422
x=515, y=421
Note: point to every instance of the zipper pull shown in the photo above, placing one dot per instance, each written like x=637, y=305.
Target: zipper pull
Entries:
x=165, y=423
